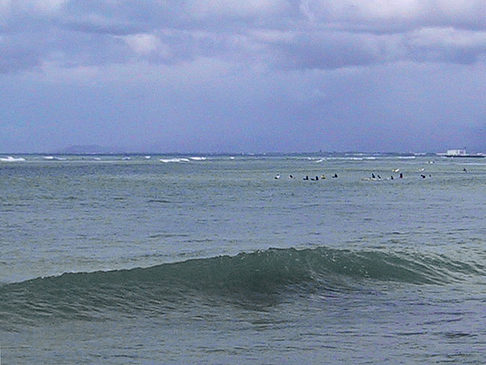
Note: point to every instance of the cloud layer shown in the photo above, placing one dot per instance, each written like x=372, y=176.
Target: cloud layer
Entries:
x=231, y=75
x=306, y=34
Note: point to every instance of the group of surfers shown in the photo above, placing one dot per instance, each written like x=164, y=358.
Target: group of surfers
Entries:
x=335, y=176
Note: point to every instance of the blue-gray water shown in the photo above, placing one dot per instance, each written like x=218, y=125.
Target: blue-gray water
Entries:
x=173, y=259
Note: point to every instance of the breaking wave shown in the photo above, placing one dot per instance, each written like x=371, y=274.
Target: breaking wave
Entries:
x=11, y=159
x=177, y=160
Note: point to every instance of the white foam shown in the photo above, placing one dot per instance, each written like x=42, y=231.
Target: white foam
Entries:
x=148, y=157
x=52, y=158
x=12, y=159
x=177, y=160
x=198, y=158
x=344, y=158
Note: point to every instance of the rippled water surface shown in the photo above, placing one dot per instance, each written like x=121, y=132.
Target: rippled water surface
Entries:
x=226, y=259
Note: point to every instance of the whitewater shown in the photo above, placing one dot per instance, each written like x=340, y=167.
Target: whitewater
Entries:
x=117, y=259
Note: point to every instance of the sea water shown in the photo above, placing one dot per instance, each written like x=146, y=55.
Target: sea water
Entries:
x=227, y=259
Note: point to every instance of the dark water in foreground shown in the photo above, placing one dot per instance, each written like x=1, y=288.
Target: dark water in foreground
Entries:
x=213, y=260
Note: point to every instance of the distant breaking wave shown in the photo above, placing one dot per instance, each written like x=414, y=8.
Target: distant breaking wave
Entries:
x=267, y=274
x=344, y=158
x=11, y=159
x=177, y=160
x=182, y=159
x=53, y=158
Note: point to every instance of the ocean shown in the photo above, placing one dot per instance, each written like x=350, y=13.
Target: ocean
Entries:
x=219, y=259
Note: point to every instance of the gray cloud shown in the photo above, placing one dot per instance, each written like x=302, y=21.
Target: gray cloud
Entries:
x=319, y=34
x=396, y=16
x=254, y=75
x=14, y=59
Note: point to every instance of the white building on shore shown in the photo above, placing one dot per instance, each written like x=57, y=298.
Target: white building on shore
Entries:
x=460, y=153
x=457, y=152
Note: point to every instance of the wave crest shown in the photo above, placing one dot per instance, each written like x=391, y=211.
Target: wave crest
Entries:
x=267, y=273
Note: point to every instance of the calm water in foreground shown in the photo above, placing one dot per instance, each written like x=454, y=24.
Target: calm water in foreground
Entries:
x=183, y=259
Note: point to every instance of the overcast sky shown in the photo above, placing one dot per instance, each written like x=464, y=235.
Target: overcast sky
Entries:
x=243, y=76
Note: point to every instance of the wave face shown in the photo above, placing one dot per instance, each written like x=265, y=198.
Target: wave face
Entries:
x=247, y=276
